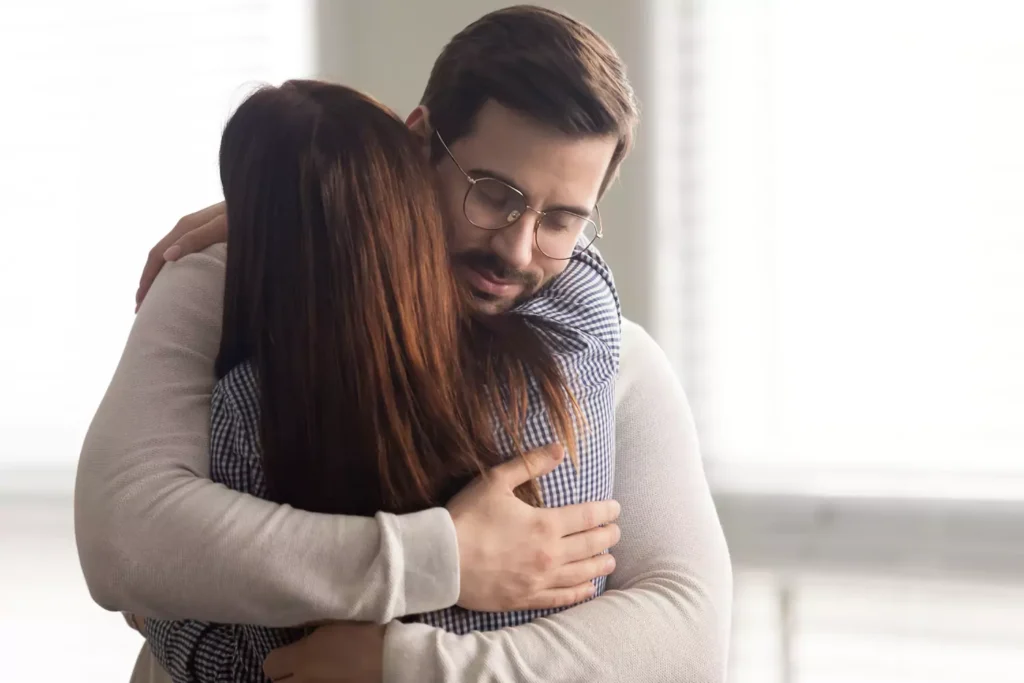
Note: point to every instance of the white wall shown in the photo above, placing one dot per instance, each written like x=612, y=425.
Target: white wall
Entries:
x=50, y=629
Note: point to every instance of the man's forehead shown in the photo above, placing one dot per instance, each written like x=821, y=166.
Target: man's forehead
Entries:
x=542, y=162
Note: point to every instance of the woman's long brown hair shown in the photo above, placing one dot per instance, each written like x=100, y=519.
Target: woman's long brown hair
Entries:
x=379, y=388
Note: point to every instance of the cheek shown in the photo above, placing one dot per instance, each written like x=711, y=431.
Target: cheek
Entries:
x=460, y=232
x=551, y=269
x=463, y=235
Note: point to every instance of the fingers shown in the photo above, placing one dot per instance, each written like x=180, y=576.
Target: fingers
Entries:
x=135, y=622
x=156, y=259
x=589, y=543
x=279, y=664
x=573, y=519
x=194, y=220
x=531, y=465
x=188, y=237
x=560, y=597
x=583, y=571
x=154, y=262
x=210, y=233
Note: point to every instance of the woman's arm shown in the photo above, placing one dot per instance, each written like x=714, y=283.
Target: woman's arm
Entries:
x=667, y=617
x=157, y=538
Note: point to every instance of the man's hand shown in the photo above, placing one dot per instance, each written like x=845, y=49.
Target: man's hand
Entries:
x=513, y=556
x=346, y=652
x=193, y=233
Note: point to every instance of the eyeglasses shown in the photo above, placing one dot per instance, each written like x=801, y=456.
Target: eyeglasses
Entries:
x=493, y=204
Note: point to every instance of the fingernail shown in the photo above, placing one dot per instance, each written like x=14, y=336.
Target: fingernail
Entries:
x=591, y=589
x=609, y=563
x=173, y=253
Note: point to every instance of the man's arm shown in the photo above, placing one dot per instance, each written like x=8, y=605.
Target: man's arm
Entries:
x=667, y=617
x=157, y=538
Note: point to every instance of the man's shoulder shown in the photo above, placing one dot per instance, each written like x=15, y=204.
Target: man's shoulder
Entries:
x=634, y=337
x=638, y=349
x=642, y=364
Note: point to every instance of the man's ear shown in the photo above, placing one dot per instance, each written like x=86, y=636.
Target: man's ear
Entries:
x=418, y=122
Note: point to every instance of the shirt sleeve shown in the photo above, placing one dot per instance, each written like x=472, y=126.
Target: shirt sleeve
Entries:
x=157, y=538
x=193, y=651
x=667, y=615
x=578, y=314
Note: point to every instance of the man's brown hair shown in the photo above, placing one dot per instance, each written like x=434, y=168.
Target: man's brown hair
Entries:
x=537, y=62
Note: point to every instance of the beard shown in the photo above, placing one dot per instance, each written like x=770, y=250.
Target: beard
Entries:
x=495, y=267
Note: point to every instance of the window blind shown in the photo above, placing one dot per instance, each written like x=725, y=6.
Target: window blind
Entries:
x=856, y=317
x=849, y=629
x=109, y=131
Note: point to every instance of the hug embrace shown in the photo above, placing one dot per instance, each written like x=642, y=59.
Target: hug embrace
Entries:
x=372, y=416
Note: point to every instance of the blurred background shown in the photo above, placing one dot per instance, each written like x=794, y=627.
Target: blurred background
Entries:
x=822, y=224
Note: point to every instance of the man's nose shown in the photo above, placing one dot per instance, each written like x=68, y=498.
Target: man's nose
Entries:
x=515, y=243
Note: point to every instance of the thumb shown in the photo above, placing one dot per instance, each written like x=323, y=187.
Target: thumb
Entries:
x=280, y=663
x=536, y=463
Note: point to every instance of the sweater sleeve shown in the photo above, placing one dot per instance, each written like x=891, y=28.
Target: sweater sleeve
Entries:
x=667, y=615
x=157, y=538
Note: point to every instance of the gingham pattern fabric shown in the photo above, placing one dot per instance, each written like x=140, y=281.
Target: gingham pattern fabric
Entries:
x=578, y=316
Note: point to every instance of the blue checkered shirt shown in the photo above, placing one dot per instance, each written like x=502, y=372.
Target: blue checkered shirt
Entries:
x=581, y=324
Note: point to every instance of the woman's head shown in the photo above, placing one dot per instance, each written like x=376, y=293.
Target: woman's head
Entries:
x=338, y=282
x=328, y=195
x=340, y=293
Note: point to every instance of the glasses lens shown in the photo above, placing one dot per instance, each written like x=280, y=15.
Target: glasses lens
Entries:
x=561, y=234
x=491, y=204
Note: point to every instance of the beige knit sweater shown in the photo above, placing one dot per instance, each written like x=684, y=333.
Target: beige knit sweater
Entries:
x=157, y=538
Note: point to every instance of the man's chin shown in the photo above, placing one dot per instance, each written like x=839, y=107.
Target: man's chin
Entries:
x=489, y=305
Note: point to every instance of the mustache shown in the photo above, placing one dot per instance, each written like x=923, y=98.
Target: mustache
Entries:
x=490, y=262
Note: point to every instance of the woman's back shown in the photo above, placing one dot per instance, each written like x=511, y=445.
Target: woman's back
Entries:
x=586, y=346
x=338, y=291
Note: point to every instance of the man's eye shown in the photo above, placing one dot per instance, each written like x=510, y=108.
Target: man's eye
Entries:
x=494, y=193
x=494, y=199
x=563, y=222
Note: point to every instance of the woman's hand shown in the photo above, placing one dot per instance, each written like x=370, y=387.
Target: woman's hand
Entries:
x=193, y=233
x=135, y=622
x=345, y=652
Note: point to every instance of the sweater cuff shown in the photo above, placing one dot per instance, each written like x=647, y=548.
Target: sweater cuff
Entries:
x=411, y=654
x=430, y=554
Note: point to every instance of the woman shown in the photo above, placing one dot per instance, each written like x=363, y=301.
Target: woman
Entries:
x=354, y=375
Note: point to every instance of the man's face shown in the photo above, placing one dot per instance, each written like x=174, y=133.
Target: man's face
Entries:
x=553, y=170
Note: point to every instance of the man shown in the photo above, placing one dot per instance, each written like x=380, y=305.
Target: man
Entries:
x=538, y=103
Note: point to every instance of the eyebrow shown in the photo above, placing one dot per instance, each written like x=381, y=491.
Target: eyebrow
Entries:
x=490, y=173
